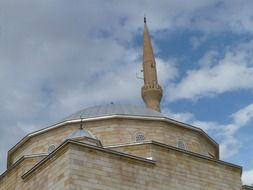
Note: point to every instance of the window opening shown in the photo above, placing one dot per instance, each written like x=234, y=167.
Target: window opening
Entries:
x=139, y=137
x=51, y=148
x=180, y=144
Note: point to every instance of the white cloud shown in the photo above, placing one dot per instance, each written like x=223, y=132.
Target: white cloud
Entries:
x=243, y=116
x=185, y=117
x=225, y=133
x=57, y=57
x=196, y=41
x=166, y=70
x=247, y=177
x=229, y=146
x=209, y=59
x=206, y=125
x=233, y=72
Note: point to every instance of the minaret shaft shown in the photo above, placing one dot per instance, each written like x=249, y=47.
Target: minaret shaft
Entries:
x=149, y=65
x=151, y=91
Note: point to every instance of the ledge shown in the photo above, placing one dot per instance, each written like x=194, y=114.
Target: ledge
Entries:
x=28, y=174
x=116, y=116
x=19, y=161
x=178, y=150
x=247, y=187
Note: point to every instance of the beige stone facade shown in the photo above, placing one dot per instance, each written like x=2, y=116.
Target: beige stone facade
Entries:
x=75, y=165
x=155, y=162
x=119, y=131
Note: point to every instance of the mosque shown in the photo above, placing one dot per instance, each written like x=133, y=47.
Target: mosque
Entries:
x=121, y=147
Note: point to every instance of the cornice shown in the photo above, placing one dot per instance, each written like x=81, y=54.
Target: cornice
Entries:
x=149, y=118
x=29, y=173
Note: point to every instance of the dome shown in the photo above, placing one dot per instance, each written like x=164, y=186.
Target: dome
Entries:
x=85, y=136
x=113, y=109
x=79, y=133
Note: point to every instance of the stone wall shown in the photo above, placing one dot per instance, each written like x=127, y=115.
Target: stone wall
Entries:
x=246, y=187
x=40, y=143
x=52, y=174
x=85, y=167
x=180, y=170
x=12, y=179
x=119, y=131
x=143, y=150
x=173, y=170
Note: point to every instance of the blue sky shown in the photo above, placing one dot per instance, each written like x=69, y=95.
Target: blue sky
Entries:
x=59, y=56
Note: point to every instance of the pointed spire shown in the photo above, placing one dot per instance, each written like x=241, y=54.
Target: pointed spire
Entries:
x=150, y=75
x=151, y=91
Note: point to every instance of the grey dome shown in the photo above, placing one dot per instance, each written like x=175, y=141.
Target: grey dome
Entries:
x=113, y=109
x=81, y=133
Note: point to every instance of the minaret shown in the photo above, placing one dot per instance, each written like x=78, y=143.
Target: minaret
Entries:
x=151, y=91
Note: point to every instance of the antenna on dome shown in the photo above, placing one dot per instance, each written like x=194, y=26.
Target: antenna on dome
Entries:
x=81, y=124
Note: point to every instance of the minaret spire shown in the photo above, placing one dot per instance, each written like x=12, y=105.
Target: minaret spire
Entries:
x=151, y=91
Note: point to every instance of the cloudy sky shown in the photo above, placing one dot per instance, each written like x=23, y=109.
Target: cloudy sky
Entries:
x=59, y=56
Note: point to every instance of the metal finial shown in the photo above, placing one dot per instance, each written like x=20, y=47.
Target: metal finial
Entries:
x=81, y=124
x=145, y=19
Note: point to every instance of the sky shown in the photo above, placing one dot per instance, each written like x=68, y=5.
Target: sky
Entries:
x=60, y=56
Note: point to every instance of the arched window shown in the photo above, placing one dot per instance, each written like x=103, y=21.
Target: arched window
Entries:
x=51, y=148
x=181, y=144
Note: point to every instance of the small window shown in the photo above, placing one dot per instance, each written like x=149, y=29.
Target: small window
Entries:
x=139, y=137
x=51, y=148
x=180, y=144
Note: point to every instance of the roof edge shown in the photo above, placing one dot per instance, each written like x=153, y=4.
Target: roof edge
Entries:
x=198, y=155
x=247, y=187
x=177, y=149
x=164, y=119
x=20, y=160
x=65, y=143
